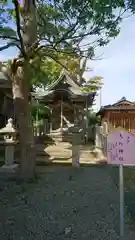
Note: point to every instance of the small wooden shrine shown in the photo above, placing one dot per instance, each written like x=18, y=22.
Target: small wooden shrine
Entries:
x=119, y=114
x=68, y=103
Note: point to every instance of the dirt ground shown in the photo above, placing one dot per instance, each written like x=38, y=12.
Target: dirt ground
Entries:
x=64, y=203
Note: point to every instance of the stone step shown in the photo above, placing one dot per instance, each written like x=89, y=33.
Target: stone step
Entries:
x=66, y=154
x=63, y=150
x=69, y=160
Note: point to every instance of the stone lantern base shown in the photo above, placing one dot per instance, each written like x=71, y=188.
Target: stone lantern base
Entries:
x=9, y=168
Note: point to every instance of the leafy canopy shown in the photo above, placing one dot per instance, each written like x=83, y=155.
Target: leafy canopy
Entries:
x=67, y=32
x=66, y=24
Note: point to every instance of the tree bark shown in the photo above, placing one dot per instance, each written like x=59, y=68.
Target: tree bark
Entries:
x=21, y=89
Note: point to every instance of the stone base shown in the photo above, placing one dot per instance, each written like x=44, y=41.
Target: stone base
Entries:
x=60, y=137
x=75, y=162
x=100, y=155
x=9, y=168
x=98, y=151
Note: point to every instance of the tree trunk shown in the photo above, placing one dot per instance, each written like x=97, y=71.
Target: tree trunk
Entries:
x=21, y=88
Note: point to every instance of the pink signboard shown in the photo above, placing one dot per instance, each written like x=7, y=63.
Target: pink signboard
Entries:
x=121, y=147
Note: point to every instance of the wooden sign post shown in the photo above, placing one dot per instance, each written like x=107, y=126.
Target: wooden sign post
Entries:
x=121, y=151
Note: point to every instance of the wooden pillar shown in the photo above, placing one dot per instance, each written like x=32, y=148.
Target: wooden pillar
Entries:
x=86, y=121
x=108, y=117
x=51, y=112
x=116, y=120
x=121, y=119
x=37, y=112
x=130, y=119
x=133, y=123
x=74, y=115
x=128, y=123
x=61, y=113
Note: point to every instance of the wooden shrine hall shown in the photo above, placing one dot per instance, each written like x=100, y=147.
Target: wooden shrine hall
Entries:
x=119, y=114
x=68, y=103
x=6, y=100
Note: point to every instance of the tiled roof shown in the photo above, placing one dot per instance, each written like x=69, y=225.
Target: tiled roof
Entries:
x=118, y=105
x=64, y=76
x=73, y=90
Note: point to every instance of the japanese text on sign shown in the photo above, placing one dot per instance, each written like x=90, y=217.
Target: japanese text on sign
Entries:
x=121, y=147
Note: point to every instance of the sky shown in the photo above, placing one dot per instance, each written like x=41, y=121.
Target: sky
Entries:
x=117, y=66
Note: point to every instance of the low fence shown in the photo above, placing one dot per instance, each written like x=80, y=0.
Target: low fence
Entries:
x=41, y=128
x=101, y=138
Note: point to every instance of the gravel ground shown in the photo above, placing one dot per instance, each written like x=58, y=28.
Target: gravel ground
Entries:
x=64, y=203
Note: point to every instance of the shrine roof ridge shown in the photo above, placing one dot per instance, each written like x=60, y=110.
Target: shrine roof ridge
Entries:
x=122, y=104
x=74, y=89
x=69, y=79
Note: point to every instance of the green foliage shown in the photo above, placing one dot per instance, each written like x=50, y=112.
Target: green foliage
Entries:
x=4, y=12
x=46, y=71
x=50, y=22
x=61, y=23
x=131, y=5
x=92, y=118
x=7, y=32
x=93, y=84
x=63, y=26
x=39, y=111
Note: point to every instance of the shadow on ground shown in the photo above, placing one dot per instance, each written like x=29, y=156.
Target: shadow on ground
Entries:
x=129, y=186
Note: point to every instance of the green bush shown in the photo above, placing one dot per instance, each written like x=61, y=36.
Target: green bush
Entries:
x=39, y=111
x=93, y=119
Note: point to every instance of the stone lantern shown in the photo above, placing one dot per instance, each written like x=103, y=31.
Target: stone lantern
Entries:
x=9, y=140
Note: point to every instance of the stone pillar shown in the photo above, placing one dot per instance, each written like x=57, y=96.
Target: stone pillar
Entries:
x=104, y=137
x=105, y=128
x=98, y=143
x=76, y=141
x=9, y=154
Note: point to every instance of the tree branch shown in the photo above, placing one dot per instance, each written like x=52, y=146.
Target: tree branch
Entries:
x=18, y=24
x=54, y=58
x=7, y=46
x=8, y=37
